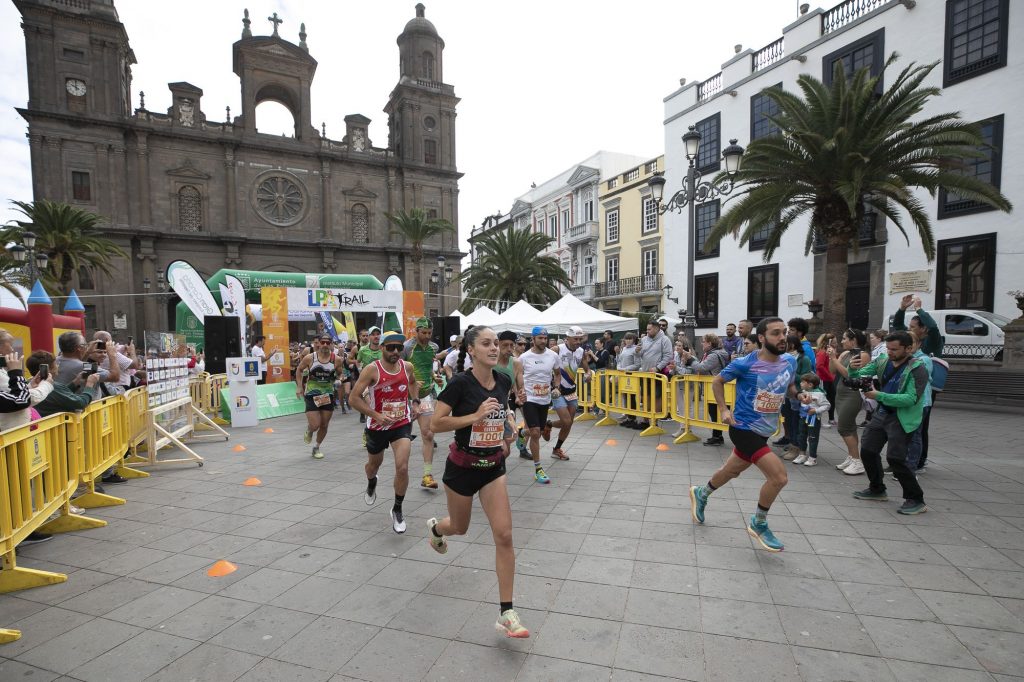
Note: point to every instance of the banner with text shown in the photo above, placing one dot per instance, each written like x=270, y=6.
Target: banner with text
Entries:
x=413, y=301
x=275, y=328
x=354, y=300
x=190, y=287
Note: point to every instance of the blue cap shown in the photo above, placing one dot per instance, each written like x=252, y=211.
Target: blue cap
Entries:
x=539, y=331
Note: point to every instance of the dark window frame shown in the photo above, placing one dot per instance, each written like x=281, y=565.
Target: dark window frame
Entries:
x=431, y=152
x=876, y=38
x=86, y=195
x=988, y=302
x=698, y=251
x=700, y=281
x=951, y=76
x=760, y=116
x=996, y=160
x=759, y=244
x=752, y=273
x=716, y=164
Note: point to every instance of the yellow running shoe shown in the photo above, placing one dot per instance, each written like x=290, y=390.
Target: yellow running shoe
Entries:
x=428, y=482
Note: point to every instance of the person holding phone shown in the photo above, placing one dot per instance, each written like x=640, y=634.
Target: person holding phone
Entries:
x=16, y=393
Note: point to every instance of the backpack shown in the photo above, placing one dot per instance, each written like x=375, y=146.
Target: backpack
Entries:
x=940, y=372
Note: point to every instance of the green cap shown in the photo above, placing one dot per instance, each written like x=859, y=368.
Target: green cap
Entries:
x=424, y=323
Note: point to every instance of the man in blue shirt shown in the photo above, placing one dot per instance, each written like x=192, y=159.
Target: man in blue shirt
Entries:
x=763, y=381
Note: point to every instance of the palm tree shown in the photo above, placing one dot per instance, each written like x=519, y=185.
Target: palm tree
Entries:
x=70, y=237
x=417, y=227
x=844, y=149
x=12, y=276
x=510, y=267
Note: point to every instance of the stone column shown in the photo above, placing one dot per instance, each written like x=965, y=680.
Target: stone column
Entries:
x=230, y=198
x=146, y=257
x=36, y=149
x=54, y=171
x=142, y=154
x=326, y=229
x=118, y=183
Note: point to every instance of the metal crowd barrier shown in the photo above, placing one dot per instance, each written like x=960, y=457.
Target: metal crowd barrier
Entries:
x=585, y=395
x=634, y=394
x=136, y=406
x=103, y=445
x=690, y=404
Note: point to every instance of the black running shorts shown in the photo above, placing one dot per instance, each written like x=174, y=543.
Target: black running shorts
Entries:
x=748, y=445
x=535, y=416
x=378, y=441
x=468, y=482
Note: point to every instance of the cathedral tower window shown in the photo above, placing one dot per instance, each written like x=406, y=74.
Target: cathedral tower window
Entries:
x=360, y=224
x=430, y=152
x=427, y=67
x=190, y=209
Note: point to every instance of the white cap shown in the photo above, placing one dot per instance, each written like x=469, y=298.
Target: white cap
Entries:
x=452, y=338
x=576, y=332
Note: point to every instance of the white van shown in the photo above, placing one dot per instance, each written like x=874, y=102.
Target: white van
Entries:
x=968, y=333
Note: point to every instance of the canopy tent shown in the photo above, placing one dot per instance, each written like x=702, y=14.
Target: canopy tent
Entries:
x=482, y=315
x=570, y=311
x=521, y=318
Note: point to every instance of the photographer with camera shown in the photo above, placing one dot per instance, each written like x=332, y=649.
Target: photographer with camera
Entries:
x=74, y=396
x=17, y=394
x=848, y=394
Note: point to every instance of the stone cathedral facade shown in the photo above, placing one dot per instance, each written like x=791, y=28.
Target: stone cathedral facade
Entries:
x=204, y=184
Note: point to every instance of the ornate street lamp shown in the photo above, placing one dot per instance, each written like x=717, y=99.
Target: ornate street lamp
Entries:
x=441, y=277
x=33, y=262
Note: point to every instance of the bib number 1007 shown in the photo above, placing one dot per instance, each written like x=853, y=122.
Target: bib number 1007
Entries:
x=487, y=434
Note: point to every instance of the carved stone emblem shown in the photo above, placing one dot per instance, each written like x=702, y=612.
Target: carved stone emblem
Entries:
x=186, y=113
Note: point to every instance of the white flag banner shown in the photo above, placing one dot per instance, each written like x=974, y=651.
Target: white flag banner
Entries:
x=236, y=292
x=190, y=287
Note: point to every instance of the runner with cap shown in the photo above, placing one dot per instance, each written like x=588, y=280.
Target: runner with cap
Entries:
x=475, y=407
x=367, y=352
x=570, y=358
x=510, y=366
x=540, y=380
x=314, y=383
x=389, y=382
x=423, y=353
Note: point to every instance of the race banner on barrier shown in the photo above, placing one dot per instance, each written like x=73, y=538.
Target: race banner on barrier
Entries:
x=353, y=300
x=275, y=328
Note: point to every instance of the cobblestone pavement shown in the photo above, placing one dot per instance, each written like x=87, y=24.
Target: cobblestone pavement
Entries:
x=614, y=579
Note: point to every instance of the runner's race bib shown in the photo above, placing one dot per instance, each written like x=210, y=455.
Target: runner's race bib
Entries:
x=394, y=409
x=767, y=402
x=322, y=399
x=427, y=404
x=487, y=433
x=571, y=397
x=541, y=390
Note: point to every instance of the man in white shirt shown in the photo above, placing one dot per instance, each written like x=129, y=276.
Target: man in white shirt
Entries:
x=126, y=362
x=258, y=353
x=571, y=357
x=540, y=378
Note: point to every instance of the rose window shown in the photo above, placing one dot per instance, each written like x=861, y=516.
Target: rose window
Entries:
x=280, y=200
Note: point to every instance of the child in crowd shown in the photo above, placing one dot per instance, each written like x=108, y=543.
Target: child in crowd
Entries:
x=814, y=405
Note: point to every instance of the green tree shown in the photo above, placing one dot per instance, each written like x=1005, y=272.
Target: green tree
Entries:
x=70, y=237
x=845, y=149
x=417, y=227
x=11, y=274
x=510, y=267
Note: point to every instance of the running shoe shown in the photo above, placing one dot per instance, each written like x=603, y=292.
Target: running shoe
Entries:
x=34, y=538
x=868, y=494
x=397, y=521
x=801, y=458
x=760, y=532
x=370, y=496
x=307, y=436
x=559, y=453
x=525, y=454
x=540, y=476
x=520, y=440
x=546, y=431
x=428, y=482
x=697, y=504
x=316, y=452
x=791, y=453
x=439, y=544
x=856, y=467
x=811, y=462
x=911, y=507
x=508, y=622
x=845, y=463
x=715, y=440
x=781, y=441
x=922, y=467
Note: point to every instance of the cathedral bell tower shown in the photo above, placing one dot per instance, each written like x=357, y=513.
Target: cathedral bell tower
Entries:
x=421, y=109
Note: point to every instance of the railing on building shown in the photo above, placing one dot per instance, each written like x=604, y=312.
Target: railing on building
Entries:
x=767, y=55
x=630, y=286
x=849, y=11
x=710, y=87
x=433, y=85
x=583, y=291
x=981, y=351
x=582, y=232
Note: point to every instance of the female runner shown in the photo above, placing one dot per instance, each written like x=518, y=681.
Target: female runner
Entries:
x=475, y=406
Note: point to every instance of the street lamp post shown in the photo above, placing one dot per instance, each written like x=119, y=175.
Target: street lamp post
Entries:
x=695, y=190
x=33, y=262
x=441, y=277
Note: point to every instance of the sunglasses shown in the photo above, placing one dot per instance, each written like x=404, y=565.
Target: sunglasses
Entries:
x=393, y=347
x=325, y=343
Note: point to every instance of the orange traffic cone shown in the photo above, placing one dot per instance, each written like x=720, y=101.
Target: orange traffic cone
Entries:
x=268, y=430
x=662, y=447
x=238, y=448
x=611, y=441
x=253, y=481
x=221, y=569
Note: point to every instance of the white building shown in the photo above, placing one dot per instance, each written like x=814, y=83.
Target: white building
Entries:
x=979, y=257
x=565, y=208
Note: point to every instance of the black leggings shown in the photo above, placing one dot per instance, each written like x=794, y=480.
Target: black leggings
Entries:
x=830, y=393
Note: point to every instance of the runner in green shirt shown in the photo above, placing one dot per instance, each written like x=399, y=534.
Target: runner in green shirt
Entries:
x=367, y=355
x=422, y=353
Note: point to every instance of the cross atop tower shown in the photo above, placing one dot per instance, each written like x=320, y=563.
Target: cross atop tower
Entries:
x=275, y=21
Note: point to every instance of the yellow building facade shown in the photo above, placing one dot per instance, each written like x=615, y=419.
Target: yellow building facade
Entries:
x=631, y=249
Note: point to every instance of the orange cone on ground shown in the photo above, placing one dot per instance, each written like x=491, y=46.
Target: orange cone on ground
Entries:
x=662, y=447
x=253, y=481
x=611, y=441
x=221, y=569
x=268, y=430
x=238, y=448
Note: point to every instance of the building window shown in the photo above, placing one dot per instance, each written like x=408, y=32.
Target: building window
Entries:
x=434, y=313
x=190, y=209
x=85, y=280
x=91, y=321
x=80, y=187
x=651, y=167
x=612, y=268
x=759, y=237
x=966, y=271
x=611, y=226
x=588, y=205
x=709, y=154
x=360, y=224
x=762, y=292
x=613, y=183
x=553, y=226
x=632, y=175
x=976, y=33
x=707, y=216
x=430, y=152
x=649, y=270
x=987, y=168
x=565, y=218
x=761, y=107
x=865, y=53
x=705, y=291
x=650, y=215
x=428, y=66
x=74, y=55
x=431, y=214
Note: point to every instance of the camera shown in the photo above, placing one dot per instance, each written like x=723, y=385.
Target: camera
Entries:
x=90, y=368
x=101, y=345
x=860, y=383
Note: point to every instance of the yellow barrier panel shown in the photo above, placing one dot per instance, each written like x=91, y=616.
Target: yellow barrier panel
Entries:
x=104, y=443
x=585, y=395
x=689, y=404
x=136, y=406
x=199, y=390
x=9, y=635
x=635, y=394
x=216, y=383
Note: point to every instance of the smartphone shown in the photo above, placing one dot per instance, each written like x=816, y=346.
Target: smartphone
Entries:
x=131, y=340
x=101, y=345
x=91, y=368
x=3, y=362
x=44, y=372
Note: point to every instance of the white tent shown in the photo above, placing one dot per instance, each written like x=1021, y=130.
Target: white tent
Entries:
x=569, y=311
x=482, y=315
x=521, y=318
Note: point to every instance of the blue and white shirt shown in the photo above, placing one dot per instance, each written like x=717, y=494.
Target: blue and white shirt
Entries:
x=761, y=388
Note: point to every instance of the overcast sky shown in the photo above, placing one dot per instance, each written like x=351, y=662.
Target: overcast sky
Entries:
x=544, y=83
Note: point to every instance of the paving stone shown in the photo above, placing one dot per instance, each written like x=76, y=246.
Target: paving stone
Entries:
x=820, y=665
x=41, y=627
x=745, y=619
x=136, y=659
x=587, y=640
x=377, y=660
x=955, y=608
x=924, y=642
x=998, y=652
x=729, y=658
x=16, y=670
x=108, y=596
x=207, y=662
x=263, y=630
x=326, y=644
x=74, y=648
x=604, y=570
x=660, y=651
x=371, y=604
x=263, y=585
x=269, y=670
x=207, y=618
x=593, y=600
x=156, y=606
x=830, y=630
x=465, y=661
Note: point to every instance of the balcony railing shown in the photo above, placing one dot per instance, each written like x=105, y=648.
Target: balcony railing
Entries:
x=585, y=231
x=630, y=286
x=584, y=292
x=849, y=11
x=767, y=55
x=710, y=87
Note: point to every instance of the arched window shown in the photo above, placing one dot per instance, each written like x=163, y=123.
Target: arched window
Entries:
x=360, y=224
x=428, y=66
x=190, y=209
x=430, y=152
